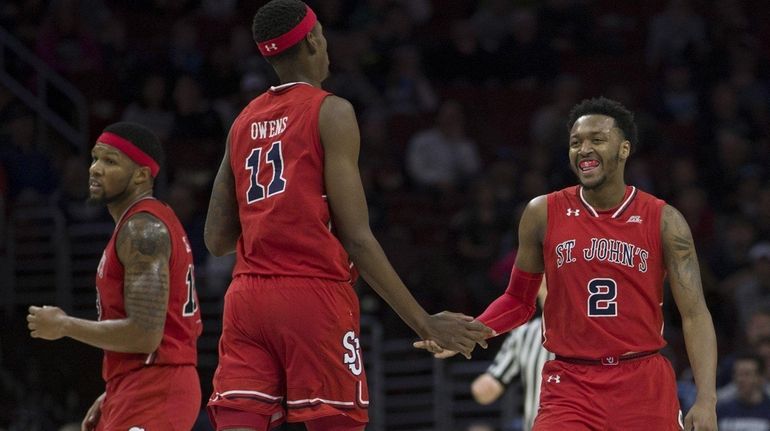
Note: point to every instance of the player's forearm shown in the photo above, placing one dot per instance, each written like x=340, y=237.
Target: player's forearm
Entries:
x=702, y=351
x=375, y=268
x=221, y=243
x=223, y=226
x=221, y=231
x=119, y=335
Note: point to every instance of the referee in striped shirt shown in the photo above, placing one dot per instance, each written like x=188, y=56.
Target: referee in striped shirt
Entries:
x=522, y=354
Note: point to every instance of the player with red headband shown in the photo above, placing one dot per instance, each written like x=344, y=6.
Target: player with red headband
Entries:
x=606, y=248
x=149, y=321
x=288, y=201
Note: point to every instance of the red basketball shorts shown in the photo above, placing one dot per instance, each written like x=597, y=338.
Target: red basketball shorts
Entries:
x=155, y=398
x=290, y=351
x=634, y=395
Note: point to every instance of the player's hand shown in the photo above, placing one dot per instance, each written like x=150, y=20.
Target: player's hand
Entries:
x=93, y=415
x=486, y=389
x=701, y=417
x=434, y=348
x=46, y=322
x=456, y=331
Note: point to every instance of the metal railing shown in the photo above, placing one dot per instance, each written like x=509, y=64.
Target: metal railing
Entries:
x=37, y=97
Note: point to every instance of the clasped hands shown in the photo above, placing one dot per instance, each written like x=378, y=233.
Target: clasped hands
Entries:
x=451, y=333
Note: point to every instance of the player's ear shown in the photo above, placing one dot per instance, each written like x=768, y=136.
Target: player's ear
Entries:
x=625, y=150
x=142, y=175
x=313, y=42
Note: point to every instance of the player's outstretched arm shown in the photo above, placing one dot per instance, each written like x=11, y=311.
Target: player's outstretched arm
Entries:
x=517, y=304
x=684, y=277
x=144, y=248
x=223, y=226
x=341, y=142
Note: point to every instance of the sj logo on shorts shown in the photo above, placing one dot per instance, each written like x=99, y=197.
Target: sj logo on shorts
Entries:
x=353, y=357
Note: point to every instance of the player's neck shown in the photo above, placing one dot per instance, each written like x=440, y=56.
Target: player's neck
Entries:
x=118, y=208
x=606, y=196
x=288, y=74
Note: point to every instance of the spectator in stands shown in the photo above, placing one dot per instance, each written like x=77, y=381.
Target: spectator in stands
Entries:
x=408, y=90
x=442, y=157
x=677, y=34
x=246, y=59
x=220, y=74
x=526, y=42
x=72, y=194
x=567, y=24
x=762, y=216
x=493, y=21
x=733, y=161
x=735, y=237
x=349, y=79
x=753, y=336
x=750, y=409
x=185, y=56
x=183, y=200
x=547, y=124
x=30, y=171
x=478, y=230
x=753, y=288
x=65, y=41
x=195, y=135
x=693, y=203
x=461, y=48
x=151, y=109
x=678, y=97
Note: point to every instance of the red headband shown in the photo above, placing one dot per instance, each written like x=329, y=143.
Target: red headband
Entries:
x=285, y=41
x=129, y=149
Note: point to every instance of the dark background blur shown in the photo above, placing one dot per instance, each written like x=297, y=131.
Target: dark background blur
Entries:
x=462, y=107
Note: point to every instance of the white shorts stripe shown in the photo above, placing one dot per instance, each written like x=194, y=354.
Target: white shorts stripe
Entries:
x=242, y=392
x=312, y=401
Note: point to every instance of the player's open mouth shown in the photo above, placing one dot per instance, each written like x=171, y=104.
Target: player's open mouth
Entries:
x=588, y=165
x=92, y=185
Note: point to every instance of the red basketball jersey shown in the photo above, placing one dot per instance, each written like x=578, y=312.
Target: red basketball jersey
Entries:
x=183, y=320
x=605, y=274
x=278, y=164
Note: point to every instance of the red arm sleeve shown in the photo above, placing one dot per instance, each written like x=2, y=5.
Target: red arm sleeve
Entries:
x=516, y=306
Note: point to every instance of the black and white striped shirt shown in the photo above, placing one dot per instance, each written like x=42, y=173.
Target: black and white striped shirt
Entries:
x=523, y=354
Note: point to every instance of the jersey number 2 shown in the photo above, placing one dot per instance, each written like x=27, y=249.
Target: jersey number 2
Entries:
x=191, y=305
x=603, y=293
x=274, y=156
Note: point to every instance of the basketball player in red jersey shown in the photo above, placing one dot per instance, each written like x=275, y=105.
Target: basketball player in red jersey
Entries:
x=606, y=248
x=288, y=201
x=148, y=310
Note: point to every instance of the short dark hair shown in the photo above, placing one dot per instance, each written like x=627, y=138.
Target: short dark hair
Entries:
x=276, y=18
x=141, y=137
x=753, y=357
x=624, y=119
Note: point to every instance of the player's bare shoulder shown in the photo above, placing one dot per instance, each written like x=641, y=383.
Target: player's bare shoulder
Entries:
x=675, y=232
x=338, y=125
x=336, y=112
x=143, y=237
x=535, y=216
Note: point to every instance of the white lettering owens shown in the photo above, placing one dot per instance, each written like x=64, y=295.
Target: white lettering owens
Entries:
x=268, y=129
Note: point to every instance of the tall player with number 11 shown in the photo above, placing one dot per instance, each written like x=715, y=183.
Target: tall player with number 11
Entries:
x=148, y=310
x=288, y=201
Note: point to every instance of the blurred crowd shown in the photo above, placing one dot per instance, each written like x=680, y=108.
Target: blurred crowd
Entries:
x=462, y=108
